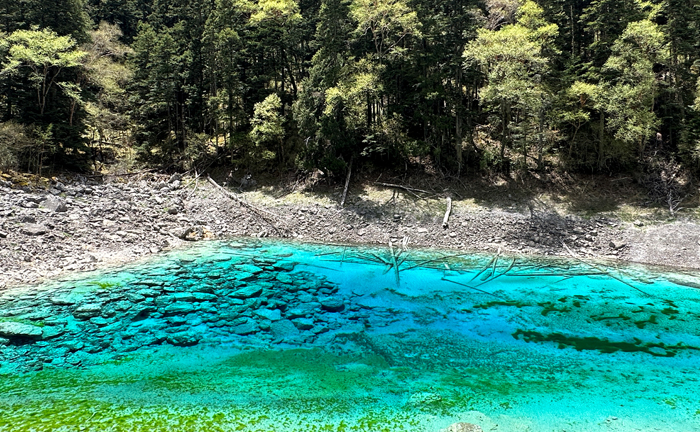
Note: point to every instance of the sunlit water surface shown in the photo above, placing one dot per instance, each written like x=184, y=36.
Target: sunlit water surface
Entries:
x=278, y=336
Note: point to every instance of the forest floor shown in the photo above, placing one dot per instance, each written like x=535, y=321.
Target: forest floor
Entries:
x=67, y=224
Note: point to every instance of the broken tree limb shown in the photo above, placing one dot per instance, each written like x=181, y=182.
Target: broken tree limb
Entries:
x=347, y=184
x=262, y=214
x=447, y=213
x=602, y=270
x=402, y=187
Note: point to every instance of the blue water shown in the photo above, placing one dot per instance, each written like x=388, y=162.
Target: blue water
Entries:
x=279, y=336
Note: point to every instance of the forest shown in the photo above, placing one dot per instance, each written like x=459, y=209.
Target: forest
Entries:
x=458, y=86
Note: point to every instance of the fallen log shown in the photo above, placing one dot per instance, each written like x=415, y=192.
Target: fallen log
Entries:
x=402, y=187
x=257, y=211
x=445, y=225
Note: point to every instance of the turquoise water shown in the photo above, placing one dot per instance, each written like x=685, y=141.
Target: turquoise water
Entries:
x=279, y=336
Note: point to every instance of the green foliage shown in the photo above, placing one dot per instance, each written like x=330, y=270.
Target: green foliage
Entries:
x=592, y=85
x=267, y=124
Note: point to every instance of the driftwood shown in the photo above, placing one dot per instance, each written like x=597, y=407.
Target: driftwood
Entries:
x=402, y=187
x=347, y=184
x=265, y=215
x=447, y=213
x=602, y=270
x=121, y=175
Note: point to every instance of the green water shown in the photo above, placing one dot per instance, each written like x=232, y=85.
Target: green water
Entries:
x=276, y=336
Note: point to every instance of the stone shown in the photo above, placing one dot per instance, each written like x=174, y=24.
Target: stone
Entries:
x=272, y=315
x=99, y=321
x=284, y=278
x=247, y=292
x=464, y=427
x=88, y=311
x=202, y=296
x=245, y=328
x=185, y=338
x=62, y=300
x=284, y=330
x=34, y=229
x=14, y=330
x=332, y=304
x=179, y=308
x=55, y=204
x=249, y=268
x=4, y=342
x=303, y=323
x=617, y=244
x=50, y=332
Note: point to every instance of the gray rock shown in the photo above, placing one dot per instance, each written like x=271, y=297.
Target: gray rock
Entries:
x=332, y=304
x=34, y=229
x=55, y=204
x=4, y=341
x=14, y=330
x=617, y=244
x=179, y=308
x=247, y=292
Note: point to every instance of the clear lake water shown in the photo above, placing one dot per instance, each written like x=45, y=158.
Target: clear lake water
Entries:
x=263, y=335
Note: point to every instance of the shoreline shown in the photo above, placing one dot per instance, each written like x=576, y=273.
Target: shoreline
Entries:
x=84, y=226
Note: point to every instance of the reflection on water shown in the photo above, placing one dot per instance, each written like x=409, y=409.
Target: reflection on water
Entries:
x=277, y=336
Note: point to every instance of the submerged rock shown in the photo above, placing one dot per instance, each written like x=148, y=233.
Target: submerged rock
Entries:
x=88, y=311
x=179, y=308
x=464, y=427
x=332, y=304
x=247, y=292
x=245, y=328
x=185, y=338
x=14, y=330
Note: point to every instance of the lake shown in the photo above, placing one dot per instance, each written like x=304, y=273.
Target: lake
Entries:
x=258, y=335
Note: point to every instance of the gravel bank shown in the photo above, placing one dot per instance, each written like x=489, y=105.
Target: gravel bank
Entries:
x=82, y=225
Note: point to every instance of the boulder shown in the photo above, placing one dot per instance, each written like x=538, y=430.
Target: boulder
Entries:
x=332, y=304
x=55, y=204
x=34, y=229
x=14, y=330
x=284, y=330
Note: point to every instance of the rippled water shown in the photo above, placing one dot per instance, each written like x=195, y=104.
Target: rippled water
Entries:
x=277, y=336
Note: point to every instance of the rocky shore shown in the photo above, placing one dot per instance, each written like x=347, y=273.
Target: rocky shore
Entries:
x=84, y=224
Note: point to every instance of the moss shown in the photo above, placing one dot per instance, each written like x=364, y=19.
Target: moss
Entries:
x=657, y=349
x=22, y=321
